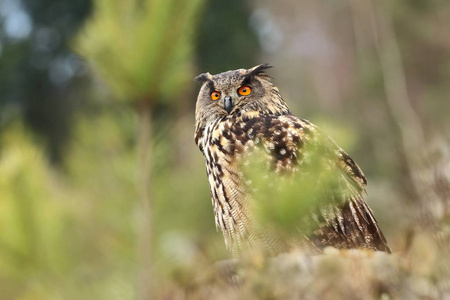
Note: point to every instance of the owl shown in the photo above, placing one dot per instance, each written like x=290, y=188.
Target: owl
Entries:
x=240, y=116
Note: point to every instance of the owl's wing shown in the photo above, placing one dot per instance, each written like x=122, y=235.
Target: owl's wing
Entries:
x=342, y=221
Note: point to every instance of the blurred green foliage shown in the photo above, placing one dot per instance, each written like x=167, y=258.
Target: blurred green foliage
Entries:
x=152, y=46
x=149, y=64
x=33, y=220
x=72, y=234
x=286, y=199
x=68, y=229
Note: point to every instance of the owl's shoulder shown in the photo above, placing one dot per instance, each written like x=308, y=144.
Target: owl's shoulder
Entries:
x=290, y=141
x=272, y=131
x=254, y=124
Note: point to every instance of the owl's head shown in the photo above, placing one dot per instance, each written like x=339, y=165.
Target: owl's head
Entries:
x=237, y=92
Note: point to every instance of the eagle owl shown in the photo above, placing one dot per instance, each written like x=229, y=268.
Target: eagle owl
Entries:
x=240, y=114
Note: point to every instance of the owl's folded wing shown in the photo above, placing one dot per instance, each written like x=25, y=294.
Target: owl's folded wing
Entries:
x=344, y=220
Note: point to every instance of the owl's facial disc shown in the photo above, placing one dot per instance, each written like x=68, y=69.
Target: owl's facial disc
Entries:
x=233, y=93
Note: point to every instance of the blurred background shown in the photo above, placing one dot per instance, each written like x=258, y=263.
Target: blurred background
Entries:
x=103, y=193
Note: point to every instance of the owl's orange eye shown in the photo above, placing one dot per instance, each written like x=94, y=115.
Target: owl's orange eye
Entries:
x=244, y=90
x=215, y=95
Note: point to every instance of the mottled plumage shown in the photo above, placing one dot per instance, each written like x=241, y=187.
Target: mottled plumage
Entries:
x=241, y=113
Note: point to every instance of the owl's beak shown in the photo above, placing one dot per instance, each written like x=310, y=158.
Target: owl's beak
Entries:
x=228, y=104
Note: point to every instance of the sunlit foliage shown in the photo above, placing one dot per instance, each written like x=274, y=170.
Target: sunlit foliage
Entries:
x=141, y=48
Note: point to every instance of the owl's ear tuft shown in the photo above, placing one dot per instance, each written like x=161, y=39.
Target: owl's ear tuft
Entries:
x=203, y=77
x=259, y=69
